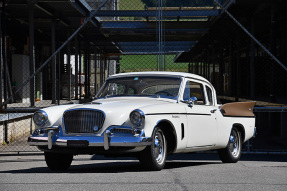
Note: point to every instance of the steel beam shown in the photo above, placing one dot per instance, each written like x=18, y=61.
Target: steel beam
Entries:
x=152, y=24
x=31, y=53
x=150, y=43
x=153, y=13
x=154, y=30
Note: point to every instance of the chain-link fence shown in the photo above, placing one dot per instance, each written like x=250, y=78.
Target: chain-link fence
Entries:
x=61, y=52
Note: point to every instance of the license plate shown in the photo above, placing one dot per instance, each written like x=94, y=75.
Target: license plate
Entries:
x=77, y=143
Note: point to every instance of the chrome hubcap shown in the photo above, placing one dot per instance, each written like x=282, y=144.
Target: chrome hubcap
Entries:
x=159, y=150
x=234, y=143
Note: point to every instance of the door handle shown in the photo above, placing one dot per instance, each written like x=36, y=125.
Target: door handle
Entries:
x=212, y=111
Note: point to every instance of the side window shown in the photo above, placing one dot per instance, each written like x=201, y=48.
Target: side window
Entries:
x=193, y=89
x=209, y=96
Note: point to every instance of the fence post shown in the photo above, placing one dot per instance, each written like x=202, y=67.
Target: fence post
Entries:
x=53, y=63
x=76, y=66
x=252, y=59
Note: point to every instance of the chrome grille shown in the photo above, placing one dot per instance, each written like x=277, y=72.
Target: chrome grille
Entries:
x=83, y=121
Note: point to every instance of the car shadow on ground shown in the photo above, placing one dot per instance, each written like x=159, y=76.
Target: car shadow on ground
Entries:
x=109, y=167
x=128, y=164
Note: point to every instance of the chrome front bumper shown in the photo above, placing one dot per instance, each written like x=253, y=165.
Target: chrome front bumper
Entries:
x=119, y=136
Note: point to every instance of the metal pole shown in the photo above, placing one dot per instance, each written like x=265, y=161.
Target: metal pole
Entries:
x=60, y=60
x=4, y=53
x=213, y=65
x=3, y=22
x=252, y=67
x=101, y=70
x=89, y=72
x=76, y=67
x=31, y=53
x=238, y=69
x=273, y=51
x=1, y=76
x=53, y=63
x=208, y=65
x=202, y=64
x=230, y=77
x=80, y=70
x=221, y=72
x=96, y=74
x=69, y=67
x=86, y=69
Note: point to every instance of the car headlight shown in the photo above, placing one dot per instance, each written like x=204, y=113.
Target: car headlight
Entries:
x=137, y=117
x=40, y=118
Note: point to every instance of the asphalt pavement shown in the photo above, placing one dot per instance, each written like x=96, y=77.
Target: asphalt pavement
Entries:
x=203, y=171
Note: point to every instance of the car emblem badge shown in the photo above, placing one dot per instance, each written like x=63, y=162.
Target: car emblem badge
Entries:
x=96, y=128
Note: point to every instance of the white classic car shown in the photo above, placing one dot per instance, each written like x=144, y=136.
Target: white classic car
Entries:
x=149, y=115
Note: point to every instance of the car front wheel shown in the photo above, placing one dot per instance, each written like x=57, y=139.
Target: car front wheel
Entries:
x=154, y=156
x=57, y=161
x=232, y=152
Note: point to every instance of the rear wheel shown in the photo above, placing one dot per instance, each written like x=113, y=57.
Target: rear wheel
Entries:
x=154, y=156
x=57, y=161
x=232, y=153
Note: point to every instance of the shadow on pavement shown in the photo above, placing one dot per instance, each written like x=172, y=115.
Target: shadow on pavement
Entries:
x=109, y=167
x=129, y=164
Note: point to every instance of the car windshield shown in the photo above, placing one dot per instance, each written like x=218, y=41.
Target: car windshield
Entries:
x=165, y=87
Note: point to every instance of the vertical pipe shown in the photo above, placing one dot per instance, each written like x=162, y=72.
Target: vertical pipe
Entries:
x=76, y=66
x=69, y=67
x=53, y=62
x=252, y=58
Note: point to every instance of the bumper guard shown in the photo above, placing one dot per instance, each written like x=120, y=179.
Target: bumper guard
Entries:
x=120, y=136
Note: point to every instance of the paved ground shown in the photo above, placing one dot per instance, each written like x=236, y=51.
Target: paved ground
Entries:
x=182, y=172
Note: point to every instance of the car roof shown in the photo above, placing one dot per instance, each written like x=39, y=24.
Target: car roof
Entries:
x=174, y=74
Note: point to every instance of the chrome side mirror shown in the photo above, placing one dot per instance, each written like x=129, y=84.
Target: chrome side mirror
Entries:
x=191, y=101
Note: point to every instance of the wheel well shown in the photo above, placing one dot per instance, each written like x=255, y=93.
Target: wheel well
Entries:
x=241, y=129
x=170, y=134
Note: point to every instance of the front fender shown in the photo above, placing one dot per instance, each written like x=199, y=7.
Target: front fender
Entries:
x=55, y=114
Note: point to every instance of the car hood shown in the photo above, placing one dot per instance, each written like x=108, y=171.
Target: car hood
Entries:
x=123, y=104
x=118, y=109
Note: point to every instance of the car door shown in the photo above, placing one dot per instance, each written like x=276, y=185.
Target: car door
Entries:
x=201, y=117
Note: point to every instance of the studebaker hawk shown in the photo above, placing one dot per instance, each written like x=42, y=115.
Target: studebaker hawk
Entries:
x=149, y=115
